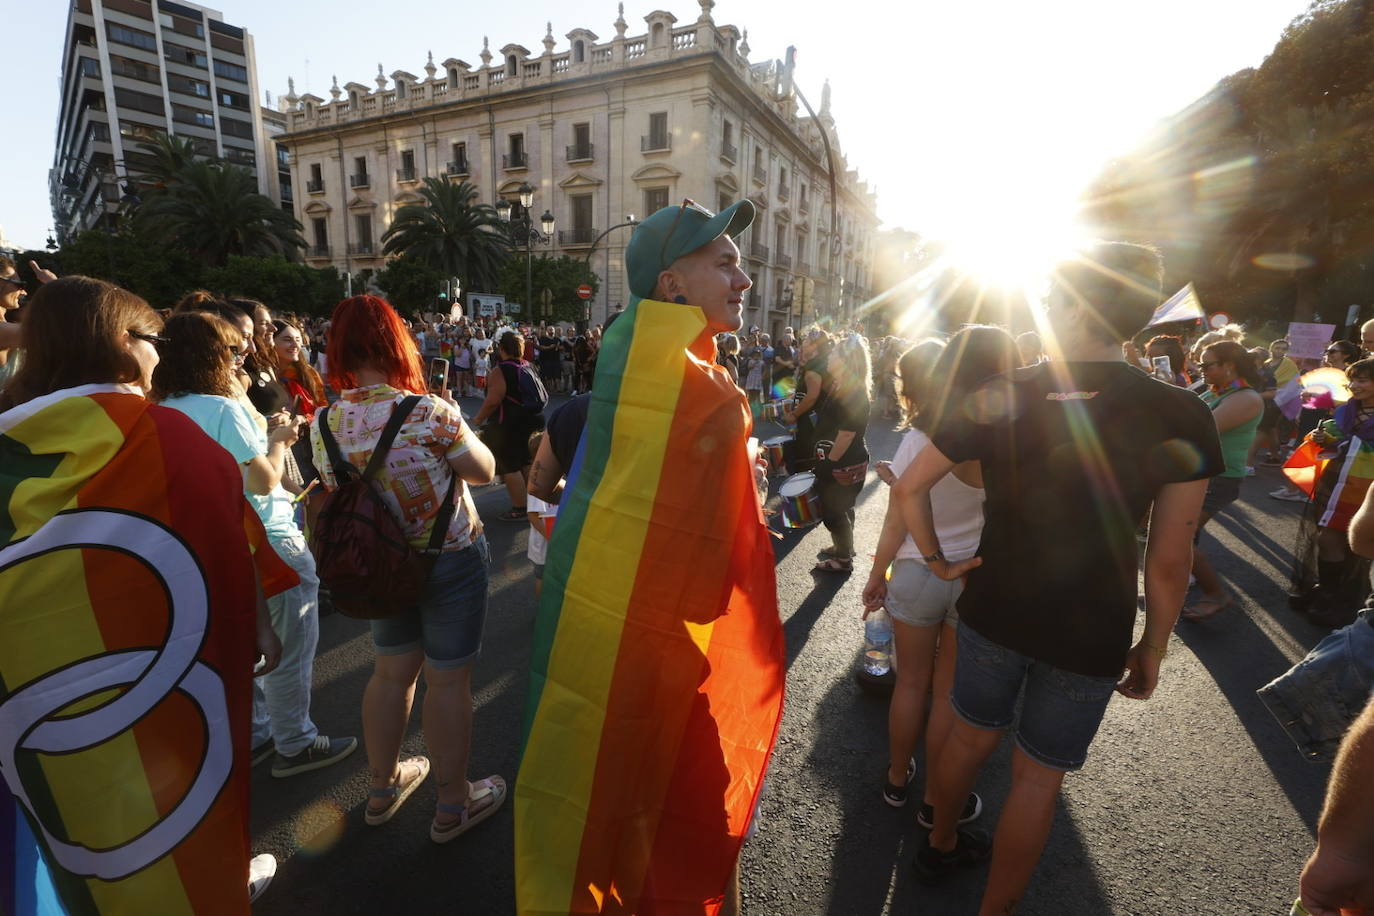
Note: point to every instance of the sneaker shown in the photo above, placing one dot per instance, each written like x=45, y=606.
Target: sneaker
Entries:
x=932, y=866
x=320, y=754
x=1271, y=461
x=1249, y=471
x=1289, y=494
x=262, y=751
x=972, y=808
x=260, y=871
x=896, y=795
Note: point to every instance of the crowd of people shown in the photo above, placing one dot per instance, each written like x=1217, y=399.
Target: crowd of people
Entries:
x=989, y=601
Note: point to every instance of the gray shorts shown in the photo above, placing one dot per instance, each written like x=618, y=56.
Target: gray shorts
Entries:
x=918, y=597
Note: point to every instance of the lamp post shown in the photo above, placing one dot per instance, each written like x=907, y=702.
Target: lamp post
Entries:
x=629, y=221
x=524, y=226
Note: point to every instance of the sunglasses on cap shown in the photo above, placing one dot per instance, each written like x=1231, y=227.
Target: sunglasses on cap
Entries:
x=687, y=204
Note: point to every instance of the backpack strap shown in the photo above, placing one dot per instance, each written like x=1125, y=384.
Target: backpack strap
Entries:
x=393, y=426
x=343, y=470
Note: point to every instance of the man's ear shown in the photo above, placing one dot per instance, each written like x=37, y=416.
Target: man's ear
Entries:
x=669, y=285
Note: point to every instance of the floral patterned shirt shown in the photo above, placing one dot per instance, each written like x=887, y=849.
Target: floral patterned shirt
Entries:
x=416, y=473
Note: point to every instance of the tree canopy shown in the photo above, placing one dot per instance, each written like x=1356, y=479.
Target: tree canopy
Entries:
x=450, y=233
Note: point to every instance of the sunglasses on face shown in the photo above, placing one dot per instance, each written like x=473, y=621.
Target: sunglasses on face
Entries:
x=150, y=338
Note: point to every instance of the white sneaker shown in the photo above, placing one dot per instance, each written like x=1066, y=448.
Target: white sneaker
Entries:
x=1289, y=494
x=260, y=871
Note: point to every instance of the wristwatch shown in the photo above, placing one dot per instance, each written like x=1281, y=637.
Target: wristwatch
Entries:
x=937, y=555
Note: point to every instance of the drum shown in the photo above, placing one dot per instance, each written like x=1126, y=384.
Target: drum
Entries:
x=773, y=449
x=801, y=505
x=773, y=410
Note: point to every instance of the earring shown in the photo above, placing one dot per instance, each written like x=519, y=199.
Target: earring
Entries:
x=680, y=300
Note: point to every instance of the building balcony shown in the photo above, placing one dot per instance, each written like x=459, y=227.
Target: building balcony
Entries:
x=460, y=167
x=315, y=187
x=362, y=249
x=784, y=260
x=729, y=152
x=359, y=181
x=804, y=205
x=758, y=251
x=656, y=143
x=580, y=152
x=575, y=237
x=406, y=175
x=760, y=176
x=319, y=251
x=511, y=161
x=783, y=192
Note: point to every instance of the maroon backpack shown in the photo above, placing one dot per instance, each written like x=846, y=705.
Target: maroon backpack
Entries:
x=361, y=552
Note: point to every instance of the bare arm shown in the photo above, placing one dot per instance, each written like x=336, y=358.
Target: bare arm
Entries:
x=496, y=392
x=546, y=474
x=843, y=439
x=262, y=474
x=1236, y=410
x=477, y=465
x=912, y=492
x=1168, y=561
x=10, y=332
x=813, y=393
x=1338, y=874
x=889, y=541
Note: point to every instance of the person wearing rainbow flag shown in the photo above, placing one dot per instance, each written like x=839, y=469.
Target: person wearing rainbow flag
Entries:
x=657, y=665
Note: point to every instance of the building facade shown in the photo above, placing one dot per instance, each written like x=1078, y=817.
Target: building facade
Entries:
x=134, y=69
x=604, y=132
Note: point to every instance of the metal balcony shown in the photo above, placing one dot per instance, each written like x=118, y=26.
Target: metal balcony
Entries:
x=457, y=168
x=361, y=248
x=580, y=152
x=403, y=175
x=515, y=161
x=320, y=251
x=571, y=237
x=359, y=181
x=758, y=251
x=654, y=144
x=729, y=152
x=315, y=187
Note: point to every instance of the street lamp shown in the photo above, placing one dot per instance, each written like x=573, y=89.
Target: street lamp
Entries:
x=629, y=221
x=525, y=227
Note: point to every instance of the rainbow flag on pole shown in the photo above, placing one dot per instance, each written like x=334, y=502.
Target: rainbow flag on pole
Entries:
x=658, y=654
x=126, y=648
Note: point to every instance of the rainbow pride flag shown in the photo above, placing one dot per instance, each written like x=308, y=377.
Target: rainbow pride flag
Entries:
x=658, y=655
x=126, y=650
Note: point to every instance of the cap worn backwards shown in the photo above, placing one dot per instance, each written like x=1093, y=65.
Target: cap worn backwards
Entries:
x=672, y=232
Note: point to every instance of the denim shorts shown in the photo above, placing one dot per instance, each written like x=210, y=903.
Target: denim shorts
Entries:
x=1061, y=711
x=1320, y=696
x=1221, y=492
x=918, y=597
x=447, y=623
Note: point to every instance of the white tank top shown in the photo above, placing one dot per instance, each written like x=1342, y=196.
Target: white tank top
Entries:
x=958, y=507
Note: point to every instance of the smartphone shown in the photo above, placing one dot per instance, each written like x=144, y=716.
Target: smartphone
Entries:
x=438, y=374
x=295, y=407
x=1163, y=369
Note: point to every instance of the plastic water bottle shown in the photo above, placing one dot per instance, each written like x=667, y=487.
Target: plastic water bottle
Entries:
x=878, y=643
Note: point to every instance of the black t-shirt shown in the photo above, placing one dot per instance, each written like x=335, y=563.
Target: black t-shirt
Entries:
x=549, y=355
x=845, y=414
x=565, y=429
x=1070, y=470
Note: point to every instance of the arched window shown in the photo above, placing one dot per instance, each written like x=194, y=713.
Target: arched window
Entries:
x=453, y=77
x=309, y=110
x=579, y=51
x=512, y=66
x=400, y=89
x=657, y=35
x=353, y=99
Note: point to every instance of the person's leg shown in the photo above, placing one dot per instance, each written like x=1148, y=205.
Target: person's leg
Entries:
x=1207, y=579
x=447, y=719
x=1022, y=831
x=906, y=713
x=941, y=715
x=515, y=489
x=965, y=750
x=295, y=619
x=386, y=712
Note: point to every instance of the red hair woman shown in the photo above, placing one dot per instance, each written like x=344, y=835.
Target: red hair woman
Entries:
x=375, y=365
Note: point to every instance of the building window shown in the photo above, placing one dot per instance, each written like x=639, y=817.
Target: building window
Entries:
x=321, y=230
x=655, y=199
x=657, y=41
x=134, y=69
x=243, y=157
x=188, y=115
x=512, y=65
x=658, y=130
x=233, y=99
x=233, y=127
x=135, y=37
x=407, y=170
x=724, y=201
x=353, y=99
x=360, y=166
x=400, y=89
x=581, y=213
x=187, y=56
x=139, y=101
x=581, y=148
x=184, y=84
x=453, y=77
x=362, y=231
x=231, y=71
x=459, y=163
x=316, y=183
x=579, y=51
x=89, y=66
x=283, y=157
x=516, y=158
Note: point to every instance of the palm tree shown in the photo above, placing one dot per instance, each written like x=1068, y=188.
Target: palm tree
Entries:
x=450, y=233
x=213, y=210
x=164, y=159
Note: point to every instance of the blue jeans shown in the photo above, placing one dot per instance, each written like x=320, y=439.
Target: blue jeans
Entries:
x=1061, y=711
x=448, y=621
x=1320, y=696
x=281, y=698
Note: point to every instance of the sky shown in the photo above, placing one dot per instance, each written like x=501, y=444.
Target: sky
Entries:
x=969, y=117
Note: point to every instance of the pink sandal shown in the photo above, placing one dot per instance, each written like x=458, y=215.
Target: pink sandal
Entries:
x=484, y=797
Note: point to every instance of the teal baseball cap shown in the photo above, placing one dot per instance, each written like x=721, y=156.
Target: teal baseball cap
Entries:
x=671, y=232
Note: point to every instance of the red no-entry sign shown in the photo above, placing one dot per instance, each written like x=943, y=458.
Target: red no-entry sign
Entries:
x=584, y=291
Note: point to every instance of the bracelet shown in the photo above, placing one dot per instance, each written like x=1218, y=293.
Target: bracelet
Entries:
x=1161, y=651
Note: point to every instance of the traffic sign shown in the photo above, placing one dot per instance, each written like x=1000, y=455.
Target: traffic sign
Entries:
x=1218, y=320
x=584, y=291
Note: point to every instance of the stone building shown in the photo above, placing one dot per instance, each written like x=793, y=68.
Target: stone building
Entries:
x=602, y=130
x=133, y=69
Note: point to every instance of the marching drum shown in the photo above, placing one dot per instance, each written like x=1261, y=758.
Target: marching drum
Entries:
x=774, y=449
x=801, y=505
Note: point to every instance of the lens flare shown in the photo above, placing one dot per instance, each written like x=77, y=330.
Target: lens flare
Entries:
x=1324, y=388
x=319, y=828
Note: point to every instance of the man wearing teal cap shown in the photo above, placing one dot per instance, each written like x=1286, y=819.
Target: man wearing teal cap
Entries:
x=687, y=255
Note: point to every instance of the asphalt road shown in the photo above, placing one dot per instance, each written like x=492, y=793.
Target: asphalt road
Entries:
x=1192, y=802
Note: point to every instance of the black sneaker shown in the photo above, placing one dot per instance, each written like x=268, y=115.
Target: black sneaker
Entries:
x=932, y=866
x=896, y=795
x=262, y=752
x=972, y=808
x=320, y=754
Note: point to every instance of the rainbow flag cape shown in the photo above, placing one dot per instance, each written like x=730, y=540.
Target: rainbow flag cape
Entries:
x=126, y=649
x=657, y=665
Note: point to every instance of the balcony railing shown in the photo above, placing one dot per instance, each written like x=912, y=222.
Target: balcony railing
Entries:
x=654, y=143
x=576, y=236
x=784, y=260
x=405, y=174
x=320, y=251
x=580, y=152
x=459, y=167
x=729, y=152
x=758, y=251
x=804, y=205
x=361, y=180
x=760, y=175
x=315, y=187
x=358, y=248
x=515, y=161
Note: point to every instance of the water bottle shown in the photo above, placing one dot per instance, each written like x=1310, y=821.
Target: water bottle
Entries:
x=878, y=643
